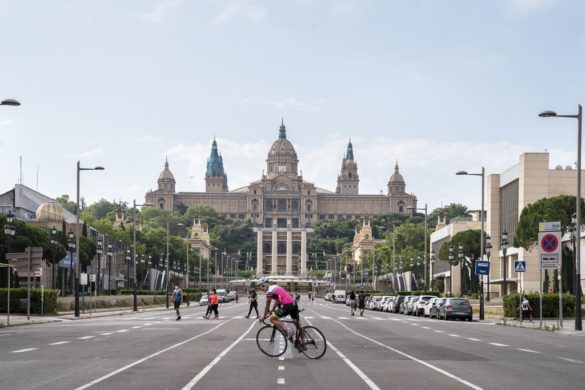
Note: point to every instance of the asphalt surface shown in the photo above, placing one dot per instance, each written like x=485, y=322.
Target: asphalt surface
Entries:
x=151, y=350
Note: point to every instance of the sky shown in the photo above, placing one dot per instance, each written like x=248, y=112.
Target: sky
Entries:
x=437, y=86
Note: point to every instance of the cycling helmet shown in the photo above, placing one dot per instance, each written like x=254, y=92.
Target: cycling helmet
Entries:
x=261, y=281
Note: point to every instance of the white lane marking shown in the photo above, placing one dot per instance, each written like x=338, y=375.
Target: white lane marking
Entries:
x=325, y=318
x=413, y=324
x=122, y=331
x=5, y=334
x=440, y=370
x=23, y=350
x=499, y=345
x=377, y=318
x=106, y=334
x=203, y=372
x=85, y=337
x=454, y=335
x=343, y=318
x=438, y=331
x=147, y=324
x=59, y=343
x=280, y=381
x=426, y=327
x=527, y=350
x=360, y=373
x=111, y=374
x=572, y=360
x=280, y=368
x=137, y=327
x=308, y=318
x=472, y=339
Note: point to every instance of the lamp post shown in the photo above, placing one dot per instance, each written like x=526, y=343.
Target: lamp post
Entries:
x=432, y=268
x=54, y=247
x=573, y=237
x=109, y=254
x=460, y=259
x=451, y=258
x=71, y=244
x=167, y=269
x=426, y=235
x=488, y=252
x=134, y=247
x=579, y=117
x=77, y=234
x=481, y=242
x=504, y=246
x=9, y=232
x=10, y=102
x=99, y=250
x=128, y=260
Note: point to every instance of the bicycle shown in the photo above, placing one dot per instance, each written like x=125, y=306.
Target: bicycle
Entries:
x=308, y=340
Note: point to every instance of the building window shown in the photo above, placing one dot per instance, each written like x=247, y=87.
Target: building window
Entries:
x=241, y=216
x=331, y=217
x=281, y=204
x=281, y=167
x=295, y=205
x=309, y=206
x=281, y=248
x=268, y=222
x=281, y=223
x=295, y=223
x=268, y=204
x=255, y=204
x=401, y=207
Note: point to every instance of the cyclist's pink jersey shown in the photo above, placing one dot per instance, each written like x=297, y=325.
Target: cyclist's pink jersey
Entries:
x=279, y=294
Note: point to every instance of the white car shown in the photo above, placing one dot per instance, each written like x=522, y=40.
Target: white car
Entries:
x=204, y=300
x=419, y=304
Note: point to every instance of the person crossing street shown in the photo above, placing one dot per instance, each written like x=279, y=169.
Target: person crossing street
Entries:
x=253, y=301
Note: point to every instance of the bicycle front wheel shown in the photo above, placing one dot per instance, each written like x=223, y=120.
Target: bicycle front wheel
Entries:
x=271, y=341
x=313, y=343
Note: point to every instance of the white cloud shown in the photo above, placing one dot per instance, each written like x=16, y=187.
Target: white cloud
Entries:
x=240, y=9
x=525, y=6
x=161, y=9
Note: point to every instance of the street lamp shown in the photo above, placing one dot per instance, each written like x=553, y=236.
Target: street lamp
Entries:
x=71, y=244
x=128, y=260
x=77, y=234
x=460, y=259
x=109, y=254
x=54, y=246
x=451, y=258
x=573, y=230
x=100, y=251
x=10, y=102
x=579, y=117
x=504, y=246
x=481, y=242
x=167, y=272
x=426, y=235
x=488, y=252
x=432, y=268
x=135, y=308
x=9, y=232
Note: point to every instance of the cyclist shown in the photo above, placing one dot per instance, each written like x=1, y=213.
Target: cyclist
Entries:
x=279, y=297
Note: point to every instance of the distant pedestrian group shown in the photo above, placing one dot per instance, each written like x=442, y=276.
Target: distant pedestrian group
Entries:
x=212, y=305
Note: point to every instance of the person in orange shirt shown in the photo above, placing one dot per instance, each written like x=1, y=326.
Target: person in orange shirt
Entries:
x=213, y=303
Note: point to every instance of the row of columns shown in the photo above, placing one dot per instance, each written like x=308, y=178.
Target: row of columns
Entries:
x=274, y=252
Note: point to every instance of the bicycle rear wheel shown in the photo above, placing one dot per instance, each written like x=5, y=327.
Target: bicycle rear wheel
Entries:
x=313, y=343
x=271, y=341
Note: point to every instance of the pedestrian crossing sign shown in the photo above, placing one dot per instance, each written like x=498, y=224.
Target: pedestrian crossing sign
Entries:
x=520, y=265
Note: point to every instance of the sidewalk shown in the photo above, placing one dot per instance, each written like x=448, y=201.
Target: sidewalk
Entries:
x=20, y=319
x=548, y=324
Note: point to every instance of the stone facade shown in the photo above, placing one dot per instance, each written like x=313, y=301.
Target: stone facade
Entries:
x=282, y=206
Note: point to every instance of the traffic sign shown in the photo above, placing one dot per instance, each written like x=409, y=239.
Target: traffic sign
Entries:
x=549, y=243
x=520, y=265
x=482, y=267
x=549, y=261
x=549, y=226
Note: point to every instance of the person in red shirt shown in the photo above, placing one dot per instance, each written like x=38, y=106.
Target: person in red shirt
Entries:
x=213, y=304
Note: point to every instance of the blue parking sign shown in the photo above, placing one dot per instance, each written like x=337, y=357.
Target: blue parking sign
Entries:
x=482, y=267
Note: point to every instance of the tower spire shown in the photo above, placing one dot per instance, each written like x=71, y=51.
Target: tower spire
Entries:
x=282, y=130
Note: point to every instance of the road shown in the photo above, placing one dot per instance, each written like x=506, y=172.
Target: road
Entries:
x=150, y=350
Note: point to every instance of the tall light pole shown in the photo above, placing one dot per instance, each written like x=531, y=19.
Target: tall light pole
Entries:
x=504, y=246
x=451, y=258
x=77, y=234
x=488, y=252
x=426, y=235
x=579, y=117
x=461, y=260
x=432, y=268
x=54, y=246
x=167, y=269
x=134, y=246
x=481, y=242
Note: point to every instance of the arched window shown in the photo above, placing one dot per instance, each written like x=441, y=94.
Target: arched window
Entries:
x=401, y=207
x=161, y=203
x=255, y=204
x=309, y=206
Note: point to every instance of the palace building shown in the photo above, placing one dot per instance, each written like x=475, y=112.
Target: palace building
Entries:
x=282, y=206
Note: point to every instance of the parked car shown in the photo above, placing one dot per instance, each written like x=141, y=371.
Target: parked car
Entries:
x=456, y=308
x=410, y=305
x=419, y=305
x=221, y=295
x=436, y=305
x=387, y=303
x=397, y=302
x=204, y=300
x=404, y=305
x=327, y=297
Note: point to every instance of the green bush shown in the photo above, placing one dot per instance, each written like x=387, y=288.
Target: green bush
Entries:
x=16, y=294
x=550, y=305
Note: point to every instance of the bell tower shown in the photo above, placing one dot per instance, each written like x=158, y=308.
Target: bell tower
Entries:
x=348, y=180
x=215, y=176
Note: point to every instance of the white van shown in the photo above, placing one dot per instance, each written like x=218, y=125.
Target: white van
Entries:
x=339, y=296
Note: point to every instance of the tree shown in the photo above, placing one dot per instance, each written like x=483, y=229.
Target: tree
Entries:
x=67, y=203
x=470, y=240
x=452, y=210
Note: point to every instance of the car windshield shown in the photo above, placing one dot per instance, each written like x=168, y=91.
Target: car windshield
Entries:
x=459, y=302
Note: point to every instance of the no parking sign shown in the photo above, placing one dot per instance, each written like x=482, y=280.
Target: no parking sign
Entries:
x=549, y=249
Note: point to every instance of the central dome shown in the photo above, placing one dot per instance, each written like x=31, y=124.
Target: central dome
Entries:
x=282, y=157
x=49, y=212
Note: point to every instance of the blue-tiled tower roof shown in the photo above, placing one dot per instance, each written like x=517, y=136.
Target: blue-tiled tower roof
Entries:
x=215, y=164
x=349, y=153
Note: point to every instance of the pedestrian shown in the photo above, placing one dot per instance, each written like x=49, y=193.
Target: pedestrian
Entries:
x=361, y=302
x=352, y=302
x=213, y=304
x=208, y=311
x=253, y=302
x=237, y=297
x=526, y=308
x=177, y=298
x=312, y=298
